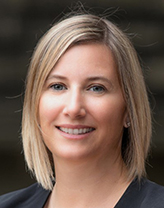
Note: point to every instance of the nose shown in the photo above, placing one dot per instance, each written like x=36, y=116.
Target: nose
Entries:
x=74, y=106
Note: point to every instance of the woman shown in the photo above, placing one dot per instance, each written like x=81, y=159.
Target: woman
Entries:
x=86, y=124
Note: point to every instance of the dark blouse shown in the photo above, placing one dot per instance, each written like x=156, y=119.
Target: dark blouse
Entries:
x=145, y=194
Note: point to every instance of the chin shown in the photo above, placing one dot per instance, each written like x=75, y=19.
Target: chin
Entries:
x=71, y=155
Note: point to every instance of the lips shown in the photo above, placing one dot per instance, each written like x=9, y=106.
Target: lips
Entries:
x=76, y=131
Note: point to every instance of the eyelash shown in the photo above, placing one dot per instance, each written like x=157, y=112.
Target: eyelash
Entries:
x=58, y=85
x=99, y=88
x=94, y=88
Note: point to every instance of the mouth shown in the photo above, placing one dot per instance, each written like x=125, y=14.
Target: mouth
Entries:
x=75, y=131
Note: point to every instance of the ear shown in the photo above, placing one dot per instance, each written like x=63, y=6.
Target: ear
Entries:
x=126, y=120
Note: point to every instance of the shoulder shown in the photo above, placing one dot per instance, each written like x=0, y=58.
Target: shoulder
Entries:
x=153, y=194
x=32, y=196
x=146, y=194
x=142, y=194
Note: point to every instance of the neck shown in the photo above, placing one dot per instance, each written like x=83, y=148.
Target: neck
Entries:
x=88, y=182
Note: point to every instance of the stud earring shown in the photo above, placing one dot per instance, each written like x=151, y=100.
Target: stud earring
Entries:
x=128, y=124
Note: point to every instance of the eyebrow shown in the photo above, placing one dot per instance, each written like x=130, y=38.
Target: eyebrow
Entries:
x=92, y=78
x=56, y=77
x=97, y=78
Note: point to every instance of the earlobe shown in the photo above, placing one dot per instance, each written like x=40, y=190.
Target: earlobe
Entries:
x=127, y=124
x=126, y=121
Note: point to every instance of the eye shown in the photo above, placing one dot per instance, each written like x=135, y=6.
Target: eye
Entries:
x=58, y=87
x=97, y=89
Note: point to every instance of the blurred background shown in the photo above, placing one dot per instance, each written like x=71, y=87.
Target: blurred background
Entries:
x=23, y=22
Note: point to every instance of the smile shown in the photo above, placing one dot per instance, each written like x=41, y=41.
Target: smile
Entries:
x=76, y=131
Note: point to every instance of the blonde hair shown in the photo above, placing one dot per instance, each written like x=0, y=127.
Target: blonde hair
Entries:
x=79, y=29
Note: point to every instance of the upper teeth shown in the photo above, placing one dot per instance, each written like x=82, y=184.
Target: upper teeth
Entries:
x=76, y=131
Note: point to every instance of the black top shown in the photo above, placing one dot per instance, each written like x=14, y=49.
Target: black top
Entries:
x=145, y=194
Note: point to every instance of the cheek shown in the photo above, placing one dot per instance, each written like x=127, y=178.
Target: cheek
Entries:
x=48, y=113
x=110, y=112
x=48, y=110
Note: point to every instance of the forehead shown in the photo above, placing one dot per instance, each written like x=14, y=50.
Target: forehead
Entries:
x=91, y=57
x=86, y=63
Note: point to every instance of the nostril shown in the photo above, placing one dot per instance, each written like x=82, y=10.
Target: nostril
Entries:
x=76, y=111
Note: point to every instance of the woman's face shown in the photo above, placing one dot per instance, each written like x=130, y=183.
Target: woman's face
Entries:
x=82, y=110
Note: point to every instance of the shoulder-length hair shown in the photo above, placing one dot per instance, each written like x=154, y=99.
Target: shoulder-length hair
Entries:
x=81, y=29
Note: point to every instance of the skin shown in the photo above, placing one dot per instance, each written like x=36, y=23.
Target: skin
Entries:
x=83, y=92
